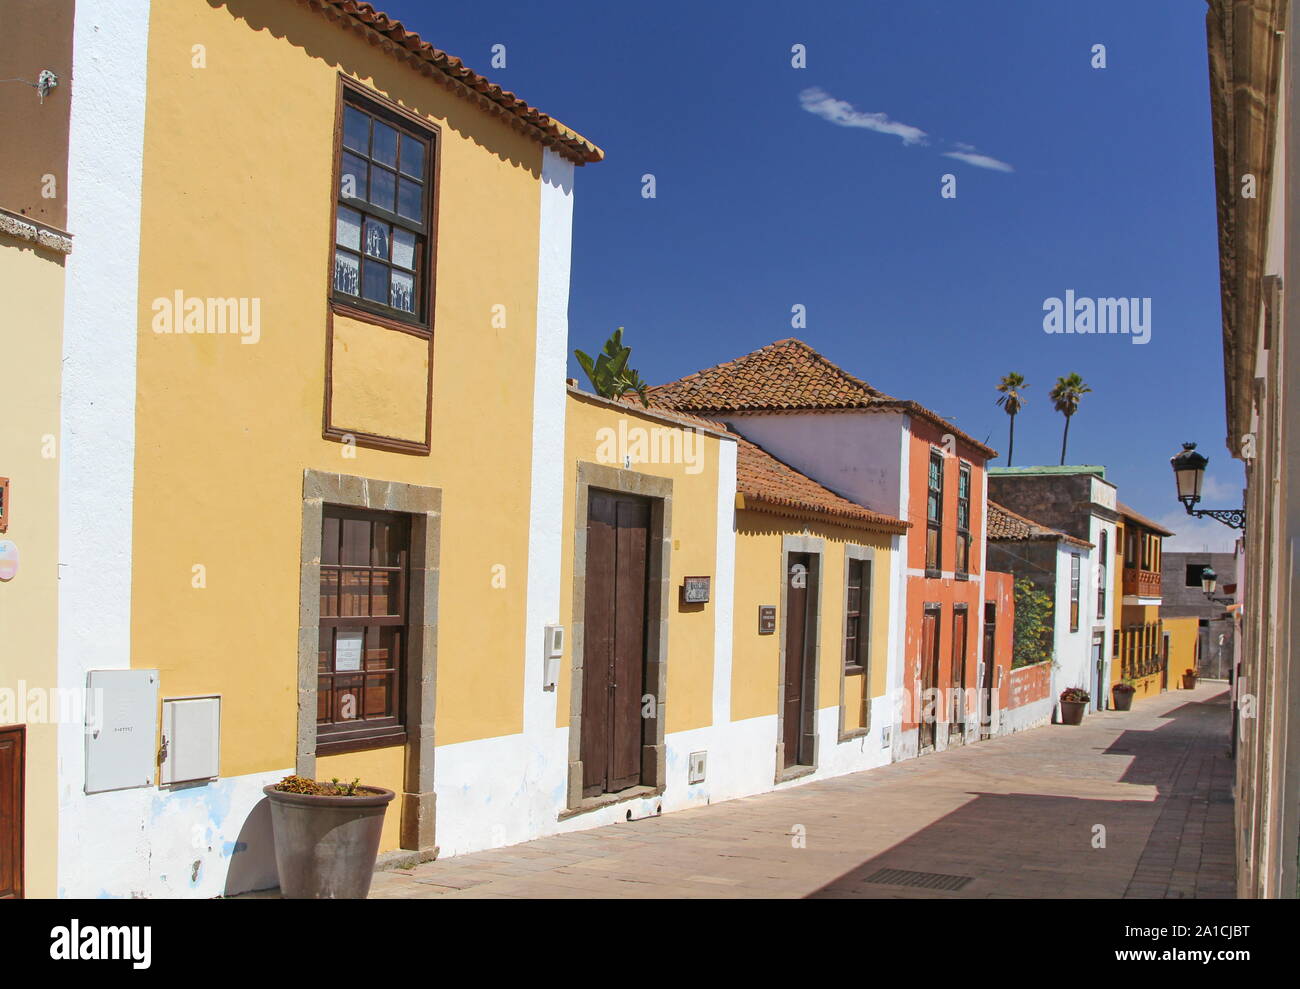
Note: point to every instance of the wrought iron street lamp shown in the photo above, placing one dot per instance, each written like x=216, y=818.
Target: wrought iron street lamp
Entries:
x=1189, y=475
x=1209, y=583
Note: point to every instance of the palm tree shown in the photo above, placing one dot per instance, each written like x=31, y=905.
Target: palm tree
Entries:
x=1011, y=400
x=1065, y=396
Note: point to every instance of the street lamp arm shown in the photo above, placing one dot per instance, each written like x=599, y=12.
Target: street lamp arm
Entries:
x=1234, y=518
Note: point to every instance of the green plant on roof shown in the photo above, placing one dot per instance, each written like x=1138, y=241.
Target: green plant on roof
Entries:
x=609, y=374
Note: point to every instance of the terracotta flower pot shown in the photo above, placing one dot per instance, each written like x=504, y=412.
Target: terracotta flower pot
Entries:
x=325, y=847
x=1189, y=681
x=1072, y=712
x=1123, y=699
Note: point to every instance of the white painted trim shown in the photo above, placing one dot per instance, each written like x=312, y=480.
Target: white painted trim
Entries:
x=898, y=592
x=97, y=455
x=724, y=589
x=546, y=502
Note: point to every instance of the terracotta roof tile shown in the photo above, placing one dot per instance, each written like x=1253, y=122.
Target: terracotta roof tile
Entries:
x=1004, y=524
x=453, y=74
x=772, y=484
x=788, y=376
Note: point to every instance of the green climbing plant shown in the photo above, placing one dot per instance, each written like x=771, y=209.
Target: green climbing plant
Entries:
x=1033, y=625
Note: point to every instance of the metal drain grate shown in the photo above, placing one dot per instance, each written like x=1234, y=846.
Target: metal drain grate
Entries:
x=924, y=880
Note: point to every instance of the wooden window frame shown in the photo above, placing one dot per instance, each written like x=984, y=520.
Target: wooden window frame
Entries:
x=935, y=525
x=5, y=504
x=857, y=650
x=377, y=107
x=961, y=563
x=336, y=737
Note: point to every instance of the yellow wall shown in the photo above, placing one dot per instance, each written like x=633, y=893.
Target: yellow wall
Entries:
x=694, y=552
x=31, y=284
x=759, y=573
x=380, y=380
x=1183, y=633
x=237, y=197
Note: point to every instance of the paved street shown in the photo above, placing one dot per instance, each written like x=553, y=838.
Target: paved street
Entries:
x=1013, y=817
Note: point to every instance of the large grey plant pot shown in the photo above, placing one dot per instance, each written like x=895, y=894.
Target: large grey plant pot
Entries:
x=325, y=847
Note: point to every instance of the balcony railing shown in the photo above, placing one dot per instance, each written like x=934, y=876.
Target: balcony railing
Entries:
x=1142, y=583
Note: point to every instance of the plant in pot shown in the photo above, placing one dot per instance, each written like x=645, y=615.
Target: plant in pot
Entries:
x=1123, y=694
x=1074, y=701
x=326, y=836
x=1189, y=678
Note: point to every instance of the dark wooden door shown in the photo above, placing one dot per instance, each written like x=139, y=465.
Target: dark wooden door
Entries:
x=958, y=678
x=801, y=612
x=990, y=667
x=12, y=758
x=929, y=675
x=614, y=639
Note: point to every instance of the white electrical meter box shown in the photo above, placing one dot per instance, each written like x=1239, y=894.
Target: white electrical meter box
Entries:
x=121, y=729
x=191, y=739
x=552, y=652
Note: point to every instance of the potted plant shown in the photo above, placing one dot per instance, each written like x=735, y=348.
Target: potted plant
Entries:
x=326, y=836
x=1123, y=694
x=1189, y=678
x=1074, y=701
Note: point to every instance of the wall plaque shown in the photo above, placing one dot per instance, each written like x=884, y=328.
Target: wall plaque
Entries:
x=695, y=590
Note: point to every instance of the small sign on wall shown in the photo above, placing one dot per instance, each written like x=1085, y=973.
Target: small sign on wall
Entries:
x=766, y=619
x=695, y=590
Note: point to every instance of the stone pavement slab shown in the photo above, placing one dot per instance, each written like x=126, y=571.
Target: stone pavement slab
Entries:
x=1129, y=804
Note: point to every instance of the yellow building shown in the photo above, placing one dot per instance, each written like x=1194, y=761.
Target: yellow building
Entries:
x=1141, y=646
x=813, y=620
x=1184, y=647
x=34, y=254
x=312, y=406
x=326, y=507
x=760, y=602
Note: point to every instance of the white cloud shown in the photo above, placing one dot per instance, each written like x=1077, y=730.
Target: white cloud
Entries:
x=970, y=157
x=1193, y=535
x=843, y=114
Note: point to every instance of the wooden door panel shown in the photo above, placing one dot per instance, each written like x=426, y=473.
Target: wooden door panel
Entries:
x=957, y=703
x=613, y=653
x=929, y=674
x=808, y=726
x=598, y=642
x=12, y=757
x=628, y=684
x=796, y=629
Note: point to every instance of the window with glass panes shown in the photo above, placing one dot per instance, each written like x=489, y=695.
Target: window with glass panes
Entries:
x=963, y=519
x=1074, y=591
x=363, y=627
x=1103, y=561
x=383, y=214
x=934, y=512
x=857, y=627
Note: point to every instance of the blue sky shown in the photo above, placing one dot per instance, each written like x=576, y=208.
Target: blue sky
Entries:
x=761, y=204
